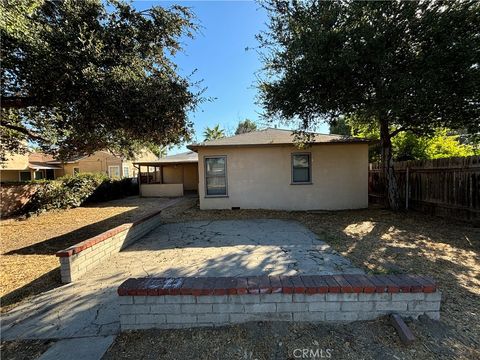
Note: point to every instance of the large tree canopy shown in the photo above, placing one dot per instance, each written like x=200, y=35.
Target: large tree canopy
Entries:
x=79, y=76
x=401, y=65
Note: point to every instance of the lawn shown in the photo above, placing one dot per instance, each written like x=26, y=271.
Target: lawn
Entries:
x=28, y=264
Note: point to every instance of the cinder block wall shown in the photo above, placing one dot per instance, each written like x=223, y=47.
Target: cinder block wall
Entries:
x=75, y=261
x=146, y=303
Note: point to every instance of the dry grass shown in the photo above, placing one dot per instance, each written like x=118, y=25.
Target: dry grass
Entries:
x=28, y=264
x=375, y=239
x=381, y=241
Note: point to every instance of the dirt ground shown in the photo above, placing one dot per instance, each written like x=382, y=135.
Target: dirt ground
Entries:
x=28, y=264
x=377, y=240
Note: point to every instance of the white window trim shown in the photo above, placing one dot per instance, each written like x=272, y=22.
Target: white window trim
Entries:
x=114, y=166
x=309, y=169
x=24, y=171
x=205, y=175
x=123, y=170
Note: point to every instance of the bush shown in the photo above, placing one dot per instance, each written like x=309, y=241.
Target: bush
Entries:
x=73, y=191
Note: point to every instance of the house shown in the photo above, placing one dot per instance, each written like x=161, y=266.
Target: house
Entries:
x=26, y=167
x=265, y=170
x=41, y=166
x=104, y=162
x=169, y=176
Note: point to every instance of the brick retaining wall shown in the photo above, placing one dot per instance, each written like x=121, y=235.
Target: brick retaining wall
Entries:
x=191, y=302
x=76, y=260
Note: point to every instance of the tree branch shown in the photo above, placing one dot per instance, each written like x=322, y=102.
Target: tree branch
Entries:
x=22, y=130
x=399, y=130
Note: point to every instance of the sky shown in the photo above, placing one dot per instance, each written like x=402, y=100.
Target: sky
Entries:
x=219, y=56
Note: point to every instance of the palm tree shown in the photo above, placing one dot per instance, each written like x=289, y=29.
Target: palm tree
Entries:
x=213, y=133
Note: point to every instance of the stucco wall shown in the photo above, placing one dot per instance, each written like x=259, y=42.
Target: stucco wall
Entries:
x=14, y=197
x=190, y=172
x=10, y=175
x=161, y=190
x=260, y=178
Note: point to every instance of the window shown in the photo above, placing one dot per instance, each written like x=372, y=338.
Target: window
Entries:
x=25, y=176
x=38, y=175
x=76, y=170
x=301, y=169
x=126, y=171
x=114, y=171
x=216, y=176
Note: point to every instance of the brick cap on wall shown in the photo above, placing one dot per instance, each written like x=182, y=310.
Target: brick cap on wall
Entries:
x=81, y=246
x=299, y=284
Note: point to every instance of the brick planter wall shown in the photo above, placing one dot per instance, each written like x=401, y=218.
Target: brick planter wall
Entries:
x=76, y=260
x=191, y=302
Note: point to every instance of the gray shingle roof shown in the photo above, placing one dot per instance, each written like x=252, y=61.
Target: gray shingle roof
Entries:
x=272, y=136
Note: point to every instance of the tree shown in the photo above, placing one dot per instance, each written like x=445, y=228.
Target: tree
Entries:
x=340, y=126
x=78, y=76
x=397, y=65
x=213, y=133
x=442, y=143
x=245, y=126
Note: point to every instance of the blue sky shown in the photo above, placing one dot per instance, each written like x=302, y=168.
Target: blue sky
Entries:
x=218, y=53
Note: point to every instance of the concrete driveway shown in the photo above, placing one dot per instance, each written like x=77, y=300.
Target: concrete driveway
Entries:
x=201, y=248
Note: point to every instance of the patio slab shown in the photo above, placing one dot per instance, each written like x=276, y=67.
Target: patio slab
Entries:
x=229, y=248
x=89, y=307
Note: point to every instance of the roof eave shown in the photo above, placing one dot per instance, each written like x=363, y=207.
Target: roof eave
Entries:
x=195, y=147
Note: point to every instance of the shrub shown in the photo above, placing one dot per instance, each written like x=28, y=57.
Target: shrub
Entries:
x=73, y=191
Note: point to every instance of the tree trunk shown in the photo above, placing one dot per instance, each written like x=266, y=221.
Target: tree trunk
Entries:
x=388, y=172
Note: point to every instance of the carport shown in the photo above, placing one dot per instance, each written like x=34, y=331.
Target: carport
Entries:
x=170, y=176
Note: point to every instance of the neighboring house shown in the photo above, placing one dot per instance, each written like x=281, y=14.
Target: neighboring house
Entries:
x=264, y=170
x=104, y=162
x=26, y=167
x=40, y=166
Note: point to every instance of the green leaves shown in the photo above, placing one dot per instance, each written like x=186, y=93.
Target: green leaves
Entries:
x=213, y=133
x=414, y=63
x=88, y=78
x=245, y=126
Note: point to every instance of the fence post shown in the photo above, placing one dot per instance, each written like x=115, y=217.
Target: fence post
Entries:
x=407, y=190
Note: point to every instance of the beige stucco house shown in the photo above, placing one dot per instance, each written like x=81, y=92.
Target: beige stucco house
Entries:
x=30, y=166
x=41, y=166
x=265, y=170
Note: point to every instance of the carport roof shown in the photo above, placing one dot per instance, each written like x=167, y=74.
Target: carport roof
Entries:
x=183, y=158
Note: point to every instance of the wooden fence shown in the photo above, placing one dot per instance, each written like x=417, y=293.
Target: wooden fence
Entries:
x=446, y=187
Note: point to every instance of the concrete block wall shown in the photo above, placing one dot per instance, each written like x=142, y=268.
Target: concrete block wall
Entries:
x=178, y=303
x=78, y=259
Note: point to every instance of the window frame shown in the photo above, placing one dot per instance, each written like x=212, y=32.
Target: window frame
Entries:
x=205, y=158
x=40, y=171
x=309, y=182
x=73, y=170
x=123, y=171
x=20, y=175
x=114, y=166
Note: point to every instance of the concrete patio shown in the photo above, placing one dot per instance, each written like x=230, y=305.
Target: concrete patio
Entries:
x=89, y=307
x=228, y=248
